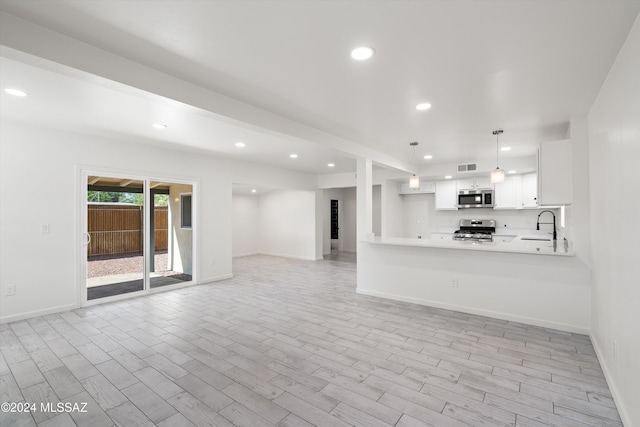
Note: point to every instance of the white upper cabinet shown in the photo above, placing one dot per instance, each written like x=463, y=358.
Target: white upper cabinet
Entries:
x=446, y=195
x=483, y=183
x=555, y=171
x=425, y=187
x=505, y=193
x=517, y=192
x=529, y=190
x=465, y=184
x=474, y=183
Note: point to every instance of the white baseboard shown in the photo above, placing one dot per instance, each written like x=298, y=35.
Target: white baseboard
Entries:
x=622, y=410
x=480, y=312
x=291, y=256
x=36, y=313
x=247, y=254
x=215, y=279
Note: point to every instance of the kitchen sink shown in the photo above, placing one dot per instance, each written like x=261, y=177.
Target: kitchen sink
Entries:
x=538, y=239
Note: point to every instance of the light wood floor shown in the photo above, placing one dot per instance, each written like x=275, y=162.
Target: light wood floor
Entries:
x=290, y=343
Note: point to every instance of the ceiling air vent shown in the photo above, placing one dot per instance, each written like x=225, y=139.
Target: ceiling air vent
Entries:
x=469, y=167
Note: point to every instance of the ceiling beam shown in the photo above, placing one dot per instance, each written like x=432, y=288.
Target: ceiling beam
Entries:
x=125, y=182
x=94, y=180
x=20, y=36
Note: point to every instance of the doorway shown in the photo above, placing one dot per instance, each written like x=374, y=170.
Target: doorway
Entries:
x=138, y=235
x=335, y=225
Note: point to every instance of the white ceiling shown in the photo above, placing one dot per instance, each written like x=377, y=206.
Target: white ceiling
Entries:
x=524, y=66
x=74, y=100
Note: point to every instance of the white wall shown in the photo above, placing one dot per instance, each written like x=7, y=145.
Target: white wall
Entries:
x=245, y=225
x=544, y=290
x=287, y=224
x=578, y=221
x=349, y=220
x=391, y=210
x=39, y=185
x=181, y=239
x=614, y=144
x=376, y=202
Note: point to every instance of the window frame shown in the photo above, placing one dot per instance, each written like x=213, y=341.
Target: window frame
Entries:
x=183, y=197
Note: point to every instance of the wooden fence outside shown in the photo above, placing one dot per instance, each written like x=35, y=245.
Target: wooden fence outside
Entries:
x=118, y=229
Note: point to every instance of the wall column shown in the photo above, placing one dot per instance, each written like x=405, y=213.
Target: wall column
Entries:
x=364, y=199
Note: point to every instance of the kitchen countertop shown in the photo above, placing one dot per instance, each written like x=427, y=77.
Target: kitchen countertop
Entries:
x=534, y=247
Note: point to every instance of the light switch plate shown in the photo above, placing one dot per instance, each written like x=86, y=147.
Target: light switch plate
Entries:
x=45, y=228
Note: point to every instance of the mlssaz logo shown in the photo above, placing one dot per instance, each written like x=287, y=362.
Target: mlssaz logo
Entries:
x=63, y=407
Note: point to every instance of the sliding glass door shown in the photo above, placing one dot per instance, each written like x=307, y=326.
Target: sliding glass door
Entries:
x=115, y=228
x=138, y=235
x=172, y=243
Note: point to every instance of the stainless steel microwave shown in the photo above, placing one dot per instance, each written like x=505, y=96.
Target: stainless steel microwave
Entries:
x=475, y=199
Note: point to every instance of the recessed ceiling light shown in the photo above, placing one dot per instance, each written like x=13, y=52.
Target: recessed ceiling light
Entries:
x=331, y=165
x=293, y=156
x=512, y=172
x=362, y=53
x=448, y=177
x=15, y=92
x=423, y=106
x=253, y=190
x=505, y=149
x=240, y=144
x=428, y=157
x=159, y=125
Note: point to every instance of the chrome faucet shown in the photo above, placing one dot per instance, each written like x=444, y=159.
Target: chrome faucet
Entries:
x=555, y=235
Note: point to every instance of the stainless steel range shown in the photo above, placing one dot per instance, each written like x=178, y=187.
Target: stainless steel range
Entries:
x=476, y=230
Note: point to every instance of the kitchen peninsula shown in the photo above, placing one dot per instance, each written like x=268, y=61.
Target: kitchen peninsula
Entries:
x=518, y=244
x=501, y=280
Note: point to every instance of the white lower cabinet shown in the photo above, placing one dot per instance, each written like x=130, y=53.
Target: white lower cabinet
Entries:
x=441, y=236
x=446, y=195
x=503, y=238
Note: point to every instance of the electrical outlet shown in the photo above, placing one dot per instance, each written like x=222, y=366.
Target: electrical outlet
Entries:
x=10, y=290
x=615, y=350
x=454, y=283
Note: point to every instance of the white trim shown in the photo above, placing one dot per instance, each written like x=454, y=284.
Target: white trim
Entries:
x=216, y=279
x=305, y=258
x=37, y=313
x=247, y=254
x=181, y=196
x=617, y=398
x=488, y=313
x=97, y=301
x=148, y=210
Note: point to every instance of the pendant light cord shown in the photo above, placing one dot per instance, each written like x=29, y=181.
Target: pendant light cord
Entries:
x=497, y=134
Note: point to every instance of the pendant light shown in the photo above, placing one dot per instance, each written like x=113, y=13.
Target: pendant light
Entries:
x=497, y=175
x=414, y=180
